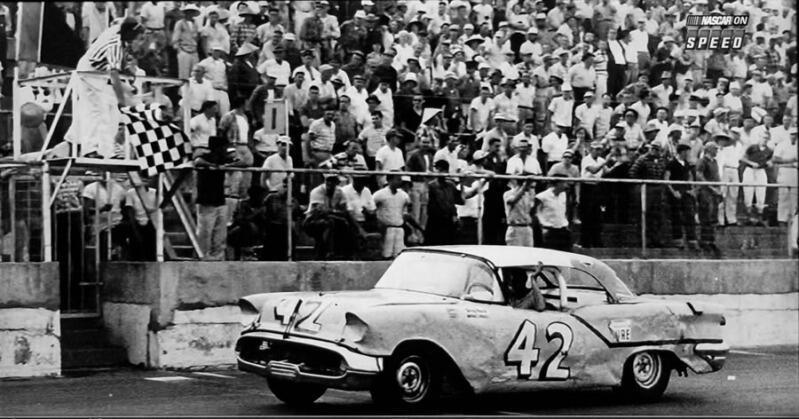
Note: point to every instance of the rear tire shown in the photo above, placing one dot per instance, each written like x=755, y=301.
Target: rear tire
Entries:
x=295, y=394
x=646, y=376
x=411, y=379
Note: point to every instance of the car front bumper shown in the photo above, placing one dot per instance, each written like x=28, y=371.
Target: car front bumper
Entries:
x=298, y=361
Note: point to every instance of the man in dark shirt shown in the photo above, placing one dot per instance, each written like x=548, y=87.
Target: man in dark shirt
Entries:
x=213, y=213
x=681, y=199
x=756, y=159
x=650, y=165
x=442, y=216
x=494, y=206
x=420, y=160
x=707, y=170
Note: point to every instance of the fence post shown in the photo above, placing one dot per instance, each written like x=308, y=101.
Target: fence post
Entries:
x=289, y=212
x=159, y=219
x=47, y=244
x=643, y=219
x=12, y=216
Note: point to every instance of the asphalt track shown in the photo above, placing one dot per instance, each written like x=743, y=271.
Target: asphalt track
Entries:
x=762, y=381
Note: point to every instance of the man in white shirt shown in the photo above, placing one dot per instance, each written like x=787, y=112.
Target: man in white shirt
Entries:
x=450, y=154
x=142, y=244
x=203, y=126
x=389, y=157
x=728, y=159
x=582, y=76
x=550, y=206
x=762, y=93
x=639, y=43
x=200, y=90
x=785, y=158
x=216, y=71
x=554, y=144
x=587, y=113
x=272, y=181
x=392, y=205
x=527, y=135
x=276, y=65
x=561, y=109
x=481, y=109
x=360, y=201
x=523, y=162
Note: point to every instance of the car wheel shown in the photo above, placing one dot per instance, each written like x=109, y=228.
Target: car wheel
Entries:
x=410, y=380
x=295, y=393
x=646, y=376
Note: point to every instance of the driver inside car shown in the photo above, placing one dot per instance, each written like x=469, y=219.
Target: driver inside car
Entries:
x=524, y=292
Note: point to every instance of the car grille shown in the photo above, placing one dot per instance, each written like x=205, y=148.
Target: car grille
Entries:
x=310, y=359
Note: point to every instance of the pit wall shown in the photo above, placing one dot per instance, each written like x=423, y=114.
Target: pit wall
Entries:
x=30, y=322
x=184, y=314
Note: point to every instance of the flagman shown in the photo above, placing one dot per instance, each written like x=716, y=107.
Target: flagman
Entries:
x=96, y=116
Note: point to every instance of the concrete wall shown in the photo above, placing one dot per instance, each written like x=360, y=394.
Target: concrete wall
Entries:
x=184, y=314
x=30, y=323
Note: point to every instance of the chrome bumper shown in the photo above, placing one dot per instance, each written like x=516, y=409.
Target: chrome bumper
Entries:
x=357, y=373
x=715, y=354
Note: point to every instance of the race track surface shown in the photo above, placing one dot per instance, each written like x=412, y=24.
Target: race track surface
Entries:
x=762, y=381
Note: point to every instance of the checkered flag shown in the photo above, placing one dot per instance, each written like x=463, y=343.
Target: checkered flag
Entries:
x=159, y=145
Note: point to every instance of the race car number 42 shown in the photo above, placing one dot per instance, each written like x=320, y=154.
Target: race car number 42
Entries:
x=523, y=352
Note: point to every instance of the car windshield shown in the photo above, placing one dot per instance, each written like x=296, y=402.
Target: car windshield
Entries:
x=574, y=278
x=438, y=273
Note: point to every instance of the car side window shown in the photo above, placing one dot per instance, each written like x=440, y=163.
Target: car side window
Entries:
x=481, y=285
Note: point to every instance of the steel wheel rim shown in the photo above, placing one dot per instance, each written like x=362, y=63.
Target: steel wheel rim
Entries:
x=413, y=379
x=646, y=369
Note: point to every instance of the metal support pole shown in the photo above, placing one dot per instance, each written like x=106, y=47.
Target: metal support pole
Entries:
x=643, y=219
x=16, y=116
x=159, y=220
x=480, y=202
x=12, y=216
x=289, y=212
x=47, y=238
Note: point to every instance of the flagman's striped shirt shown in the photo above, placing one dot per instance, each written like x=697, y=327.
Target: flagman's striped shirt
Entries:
x=105, y=53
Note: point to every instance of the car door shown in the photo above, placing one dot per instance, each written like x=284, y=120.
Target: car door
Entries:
x=533, y=348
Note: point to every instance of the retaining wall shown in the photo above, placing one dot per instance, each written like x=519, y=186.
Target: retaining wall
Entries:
x=30, y=322
x=184, y=314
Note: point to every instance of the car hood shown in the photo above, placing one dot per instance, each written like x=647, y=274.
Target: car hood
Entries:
x=335, y=316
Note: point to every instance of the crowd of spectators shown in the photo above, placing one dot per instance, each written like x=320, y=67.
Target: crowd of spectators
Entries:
x=565, y=88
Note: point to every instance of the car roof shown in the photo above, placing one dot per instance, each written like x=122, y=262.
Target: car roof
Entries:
x=507, y=256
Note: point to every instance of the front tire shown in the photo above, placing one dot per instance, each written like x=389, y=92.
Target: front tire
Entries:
x=295, y=394
x=646, y=376
x=410, y=380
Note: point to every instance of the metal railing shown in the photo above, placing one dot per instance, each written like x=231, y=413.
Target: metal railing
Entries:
x=297, y=176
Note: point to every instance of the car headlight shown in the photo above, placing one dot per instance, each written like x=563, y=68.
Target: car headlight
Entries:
x=354, y=328
x=249, y=314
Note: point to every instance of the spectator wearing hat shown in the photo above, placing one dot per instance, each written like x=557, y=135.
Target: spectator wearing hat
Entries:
x=550, y=208
x=582, y=76
x=501, y=131
x=310, y=33
x=651, y=165
x=275, y=223
x=267, y=50
x=389, y=157
x=661, y=94
x=481, y=109
x=199, y=90
x=243, y=76
x=506, y=102
x=756, y=159
x=785, y=159
x=442, y=216
x=554, y=145
x=385, y=103
x=373, y=137
x=681, y=199
x=762, y=92
x=528, y=126
x=212, y=220
x=587, y=112
x=392, y=209
x=518, y=203
x=244, y=31
x=311, y=73
x=593, y=166
x=265, y=31
x=561, y=110
x=353, y=33
x=566, y=167
x=216, y=69
x=235, y=126
x=320, y=139
x=331, y=31
x=633, y=133
x=213, y=33
x=329, y=222
x=280, y=160
x=707, y=170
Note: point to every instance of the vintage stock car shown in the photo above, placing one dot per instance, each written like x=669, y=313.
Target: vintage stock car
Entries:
x=451, y=314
